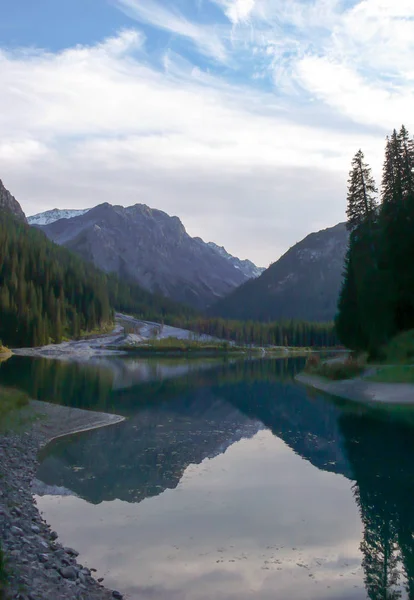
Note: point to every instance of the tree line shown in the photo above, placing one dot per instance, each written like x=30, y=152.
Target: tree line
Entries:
x=377, y=296
x=279, y=333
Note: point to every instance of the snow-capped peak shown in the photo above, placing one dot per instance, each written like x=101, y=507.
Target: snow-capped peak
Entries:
x=50, y=216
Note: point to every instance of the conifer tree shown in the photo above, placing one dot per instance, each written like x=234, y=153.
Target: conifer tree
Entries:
x=362, y=193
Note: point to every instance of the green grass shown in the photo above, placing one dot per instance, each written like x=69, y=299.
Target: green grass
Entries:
x=393, y=374
x=11, y=403
x=4, y=349
x=400, y=350
x=3, y=574
x=176, y=346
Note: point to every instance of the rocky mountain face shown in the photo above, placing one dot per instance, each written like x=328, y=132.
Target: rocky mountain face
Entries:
x=151, y=248
x=9, y=203
x=245, y=266
x=303, y=284
x=50, y=216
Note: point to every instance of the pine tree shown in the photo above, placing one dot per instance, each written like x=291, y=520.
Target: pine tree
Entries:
x=362, y=193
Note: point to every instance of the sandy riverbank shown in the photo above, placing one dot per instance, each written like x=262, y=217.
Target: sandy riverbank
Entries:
x=360, y=390
x=40, y=568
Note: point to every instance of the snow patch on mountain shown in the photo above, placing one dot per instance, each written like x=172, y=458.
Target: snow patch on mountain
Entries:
x=246, y=266
x=50, y=216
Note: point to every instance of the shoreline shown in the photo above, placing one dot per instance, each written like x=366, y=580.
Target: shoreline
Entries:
x=39, y=567
x=360, y=390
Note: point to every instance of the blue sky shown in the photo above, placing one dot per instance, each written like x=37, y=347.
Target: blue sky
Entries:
x=239, y=116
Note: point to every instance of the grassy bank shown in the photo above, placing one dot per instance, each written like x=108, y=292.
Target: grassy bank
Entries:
x=11, y=403
x=174, y=346
x=393, y=374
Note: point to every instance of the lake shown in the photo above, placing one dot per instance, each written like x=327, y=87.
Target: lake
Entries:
x=227, y=481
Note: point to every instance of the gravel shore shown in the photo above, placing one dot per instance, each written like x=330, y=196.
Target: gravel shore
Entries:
x=38, y=566
x=359, y=390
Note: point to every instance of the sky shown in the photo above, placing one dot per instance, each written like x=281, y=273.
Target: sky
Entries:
x=239, y=116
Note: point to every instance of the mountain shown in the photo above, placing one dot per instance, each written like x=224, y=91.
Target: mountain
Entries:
x=47, y=292
x=50, y=216
x=303, y=284
x=245, y=266
x=9, y=204
x=151, y=248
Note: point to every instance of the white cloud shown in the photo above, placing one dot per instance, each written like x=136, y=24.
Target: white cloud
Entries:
x=93, y=124
x=242, y=166
x=237, y=10
x=205, y=38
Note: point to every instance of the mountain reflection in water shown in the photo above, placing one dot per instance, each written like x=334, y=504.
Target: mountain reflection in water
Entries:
x=182, y=419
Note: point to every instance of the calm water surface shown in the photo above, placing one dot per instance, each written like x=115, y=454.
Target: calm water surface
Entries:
x=227, y=481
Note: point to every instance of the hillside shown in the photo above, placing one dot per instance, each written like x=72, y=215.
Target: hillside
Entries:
x=46, y=293
x=153, y=249
x=9, y=204
x=303, y=284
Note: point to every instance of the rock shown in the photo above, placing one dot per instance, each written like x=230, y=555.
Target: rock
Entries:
x=53, y=575
x=43, y=558
x=37, y=562
x=82, y=577
x=117, y=595
x=100, y=580
x=68, y=573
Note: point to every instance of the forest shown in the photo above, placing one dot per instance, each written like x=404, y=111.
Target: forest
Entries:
x=377, y=296
x=276, y=333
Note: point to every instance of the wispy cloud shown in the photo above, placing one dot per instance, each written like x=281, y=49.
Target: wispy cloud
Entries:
x=204, y=37
x=247, y=134
x=237, y=11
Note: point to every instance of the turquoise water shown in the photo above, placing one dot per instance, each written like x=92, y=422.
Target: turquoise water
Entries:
x=227, y=481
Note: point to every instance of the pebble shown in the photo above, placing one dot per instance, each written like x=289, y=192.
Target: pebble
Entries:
x=68, y=572
x=39, y=567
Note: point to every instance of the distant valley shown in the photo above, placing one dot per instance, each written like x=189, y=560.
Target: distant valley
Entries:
x=148, y=247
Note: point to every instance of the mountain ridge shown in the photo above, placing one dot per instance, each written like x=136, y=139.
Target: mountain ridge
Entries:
x=303, y=284
x=9, y=203
x=152, y=248
x=55, y=214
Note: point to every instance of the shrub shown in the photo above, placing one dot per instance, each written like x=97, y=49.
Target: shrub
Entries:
x=337, y=370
